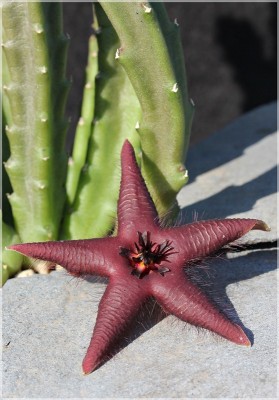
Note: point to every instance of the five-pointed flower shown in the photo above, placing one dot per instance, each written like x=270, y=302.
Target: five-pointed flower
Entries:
x=145, y=260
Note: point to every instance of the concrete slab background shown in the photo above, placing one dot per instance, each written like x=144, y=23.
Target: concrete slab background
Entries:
x=48, y=320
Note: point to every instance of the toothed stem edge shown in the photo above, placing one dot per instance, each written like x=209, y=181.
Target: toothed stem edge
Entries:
x=36, y=89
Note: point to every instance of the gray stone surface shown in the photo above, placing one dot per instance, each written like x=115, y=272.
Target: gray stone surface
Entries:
x=48, y=320
x=233, y=173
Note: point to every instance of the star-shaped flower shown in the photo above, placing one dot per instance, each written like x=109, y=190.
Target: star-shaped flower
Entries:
x=145, y=260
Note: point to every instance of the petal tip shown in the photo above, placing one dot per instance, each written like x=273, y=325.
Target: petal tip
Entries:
x=88, y=365
x=22, y=248
x=13, y=247
x=243, y=339
x=262, y=226
x=87, y=371
x=127, y=146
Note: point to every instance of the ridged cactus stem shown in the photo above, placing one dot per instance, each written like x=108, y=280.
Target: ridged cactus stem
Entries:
x=5, y=102
x=117, y=111
x=6, y=122
x=83, y=130
x=36, y=88
x=171, y=32
x=162, y=91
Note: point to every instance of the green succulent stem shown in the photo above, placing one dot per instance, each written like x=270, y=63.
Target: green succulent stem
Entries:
x=158, y=77
x=5, y=102
x=117, y=111
x=83, y=130
x=35, y=88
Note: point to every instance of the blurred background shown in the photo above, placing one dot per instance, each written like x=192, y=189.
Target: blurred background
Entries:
x=230, y=55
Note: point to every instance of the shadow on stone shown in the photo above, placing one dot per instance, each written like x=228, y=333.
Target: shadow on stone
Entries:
x=216, y=274
x=231, y=142
x=149, y=315
x=233, y=199
x=212, y=275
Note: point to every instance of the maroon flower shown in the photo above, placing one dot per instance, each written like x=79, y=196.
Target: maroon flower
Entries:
x=145, y=260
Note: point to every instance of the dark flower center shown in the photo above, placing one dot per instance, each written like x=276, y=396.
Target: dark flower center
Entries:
x=147, y=256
